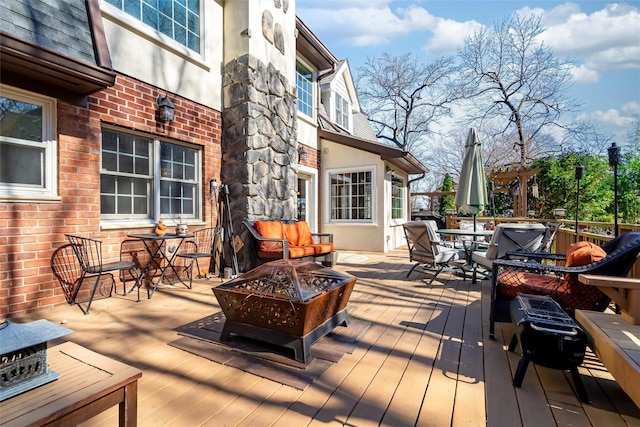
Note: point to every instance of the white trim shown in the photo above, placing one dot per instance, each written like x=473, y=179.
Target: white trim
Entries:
x=49, y=190
x=311, y=174
x=374, y=195
x=314, y=91
x=108, y=222
x=137, y=26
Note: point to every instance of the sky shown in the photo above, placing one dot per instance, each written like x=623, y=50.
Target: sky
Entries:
x=602, y=39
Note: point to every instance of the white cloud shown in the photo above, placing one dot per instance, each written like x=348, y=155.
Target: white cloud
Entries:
x=365, y=23
x=449, y=35
x=618, y=121
x=606, y=40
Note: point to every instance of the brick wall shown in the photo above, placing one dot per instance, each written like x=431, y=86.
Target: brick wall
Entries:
x=32, y=231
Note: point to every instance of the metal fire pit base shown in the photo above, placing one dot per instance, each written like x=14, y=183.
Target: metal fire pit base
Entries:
x=301, y=345
x=548, y=337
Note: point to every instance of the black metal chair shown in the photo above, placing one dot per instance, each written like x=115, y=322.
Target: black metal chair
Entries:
x=89, y=254
x=201, y=246
x=560, y=282
x=68, y=272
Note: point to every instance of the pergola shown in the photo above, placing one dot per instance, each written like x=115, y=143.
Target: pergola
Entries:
x=516, y=182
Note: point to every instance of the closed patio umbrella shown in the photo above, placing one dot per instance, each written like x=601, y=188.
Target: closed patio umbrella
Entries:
x=472, y=188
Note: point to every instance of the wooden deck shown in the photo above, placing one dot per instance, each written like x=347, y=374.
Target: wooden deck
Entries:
x=425, y=360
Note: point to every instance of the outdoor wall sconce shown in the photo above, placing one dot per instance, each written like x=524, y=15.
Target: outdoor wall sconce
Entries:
x=388, y=170
x=579, y=174
x=614, y=161
x=302, y=154
x=166, y=109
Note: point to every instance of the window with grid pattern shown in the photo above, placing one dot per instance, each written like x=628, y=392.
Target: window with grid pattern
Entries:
x=351, y=196
x=342, y=111
x=397, y=197
x=132, y=183
x=28, y=165
x=177, y=19
x=304, y=82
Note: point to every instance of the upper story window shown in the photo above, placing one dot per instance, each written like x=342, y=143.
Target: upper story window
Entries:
x=177, y=19
x=397, y=197
x=352, y=196
x=304, y=83
x=342, y=112
x=28, y=164
x=135, y=186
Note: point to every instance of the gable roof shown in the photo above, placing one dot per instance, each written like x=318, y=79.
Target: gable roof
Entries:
x=54, y=47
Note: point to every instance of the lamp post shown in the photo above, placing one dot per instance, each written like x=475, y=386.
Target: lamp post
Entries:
x=579, y=173
x=614, y=161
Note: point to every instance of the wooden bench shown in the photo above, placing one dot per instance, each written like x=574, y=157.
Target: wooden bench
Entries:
x=615, y=338
x=290, y=240
x=617, y=345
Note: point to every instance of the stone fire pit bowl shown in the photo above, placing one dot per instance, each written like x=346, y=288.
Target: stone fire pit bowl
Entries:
x=287, y=303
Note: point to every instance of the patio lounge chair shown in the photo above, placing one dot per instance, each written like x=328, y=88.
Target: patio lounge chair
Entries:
x=425, y=247
x=510, y=277
x=510, y=238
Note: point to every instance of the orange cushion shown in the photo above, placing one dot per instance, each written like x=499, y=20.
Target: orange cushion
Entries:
x=269, y=230
x=304, y=234
x=300, y=251
x=291, y=234
x=298, y=233
x=583, y=253
x=321, y=248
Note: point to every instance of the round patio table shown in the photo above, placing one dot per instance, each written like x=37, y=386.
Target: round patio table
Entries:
x=468, y=248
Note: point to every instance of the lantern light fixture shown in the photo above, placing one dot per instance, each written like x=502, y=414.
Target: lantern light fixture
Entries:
x=166, y=109
x=614, y=161
x=579, y=174
x=302, y=154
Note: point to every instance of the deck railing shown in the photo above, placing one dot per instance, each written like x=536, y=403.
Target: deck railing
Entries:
x=567, y=235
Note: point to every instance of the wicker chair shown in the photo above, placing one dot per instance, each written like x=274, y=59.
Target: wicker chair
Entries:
x=511, y=277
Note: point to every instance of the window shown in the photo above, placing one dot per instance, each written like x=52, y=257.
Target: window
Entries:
x=177, y=19
x=342, y=112
x=304, y=82
x=131, y=185
x=397, y=199
x=351, y=196
x=28, y=165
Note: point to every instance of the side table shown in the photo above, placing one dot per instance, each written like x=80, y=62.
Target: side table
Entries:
x=89, y=384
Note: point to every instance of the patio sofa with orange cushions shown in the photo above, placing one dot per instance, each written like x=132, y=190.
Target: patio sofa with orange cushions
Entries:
x=290, y=240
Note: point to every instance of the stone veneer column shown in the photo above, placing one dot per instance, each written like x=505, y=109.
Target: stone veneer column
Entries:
x=259, y=147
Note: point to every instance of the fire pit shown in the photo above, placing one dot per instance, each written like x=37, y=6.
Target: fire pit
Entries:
x=287, y=303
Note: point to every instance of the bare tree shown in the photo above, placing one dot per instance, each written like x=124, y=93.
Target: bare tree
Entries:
x=402, y=97
x=513, y=79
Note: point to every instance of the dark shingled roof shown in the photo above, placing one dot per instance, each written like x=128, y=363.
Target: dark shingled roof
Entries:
x=54, y=47
x=59, y=25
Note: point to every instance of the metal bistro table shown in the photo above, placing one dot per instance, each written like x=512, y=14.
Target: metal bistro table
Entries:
x=160, y=248
x=468, y=245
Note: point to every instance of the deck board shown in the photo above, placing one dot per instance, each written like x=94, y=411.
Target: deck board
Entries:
x=426, y=359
